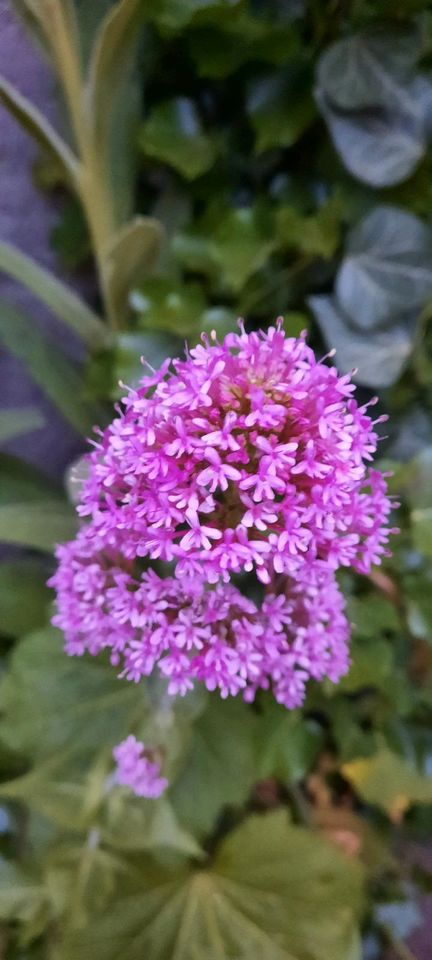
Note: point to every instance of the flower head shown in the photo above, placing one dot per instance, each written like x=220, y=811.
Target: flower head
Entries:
x=249, y=454
x=249, y=457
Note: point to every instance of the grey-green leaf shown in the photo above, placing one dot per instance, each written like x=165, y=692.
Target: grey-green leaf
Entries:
x=13, y=423
x=38, y=126
x=64, y=302
x=387, y=269
x=379, y=358
x=48, y=367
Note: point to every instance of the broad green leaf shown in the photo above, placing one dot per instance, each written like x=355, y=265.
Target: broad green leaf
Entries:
x=162, y=304
x=173, y=134
x=21, y=896
x=48, y=367
x=387, y=268
x=273, y=890
x=24, y=596
x=422, y=530
x=131, y=255
x=220, y=766
x=287, y=744
x=64, y=302
x=39, y=525
x=50, y=701
x=21, y=420
x=378, y=357
x=38, y=126
x=388, y=781
x=133, y=823
x=372, y=665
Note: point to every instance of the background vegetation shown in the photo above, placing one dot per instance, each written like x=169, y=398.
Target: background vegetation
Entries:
x=218, y=158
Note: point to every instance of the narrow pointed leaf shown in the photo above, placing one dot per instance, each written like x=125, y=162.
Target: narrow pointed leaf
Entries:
x=66, y=304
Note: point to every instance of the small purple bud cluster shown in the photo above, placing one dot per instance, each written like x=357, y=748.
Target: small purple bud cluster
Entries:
x=247, y=457
x=136, y=769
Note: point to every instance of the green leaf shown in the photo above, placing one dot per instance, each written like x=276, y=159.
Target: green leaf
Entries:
x=131, y=255
x=273, y=890
x=163, y=304
x=40, y=525
x=21, y=897
x=49, y=368
x=38, y=126
x=372, y=665
x=24, y=596
x=50, y=701
x=110, y=57
x=220, y=766
x=133, y=823
x=173, y=134
x=388, y=781
x=64, y=303
x=287, y=744
x=422, y=530
x=15, y=422
x=113, y=89
x=229, y=246
x=281, y=107
x=316, y=235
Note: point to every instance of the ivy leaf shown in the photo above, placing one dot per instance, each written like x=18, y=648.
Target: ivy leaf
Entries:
x=317, y=235
x=378, y=358
x=388, y=781
x=387, y=268
x=281, y=107
x=368, y=94
x=173, y=134
x=251, y=900
x=163, y=304
x=50, y=700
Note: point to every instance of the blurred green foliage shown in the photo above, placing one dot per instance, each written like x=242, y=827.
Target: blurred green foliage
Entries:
x=223, y=158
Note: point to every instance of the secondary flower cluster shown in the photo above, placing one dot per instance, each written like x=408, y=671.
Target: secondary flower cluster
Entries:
x=248, y=457
x=136, y=769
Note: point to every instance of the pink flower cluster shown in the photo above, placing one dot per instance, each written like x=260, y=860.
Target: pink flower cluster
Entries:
x=192, y=632
x=136, y=769
x=248, y=457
